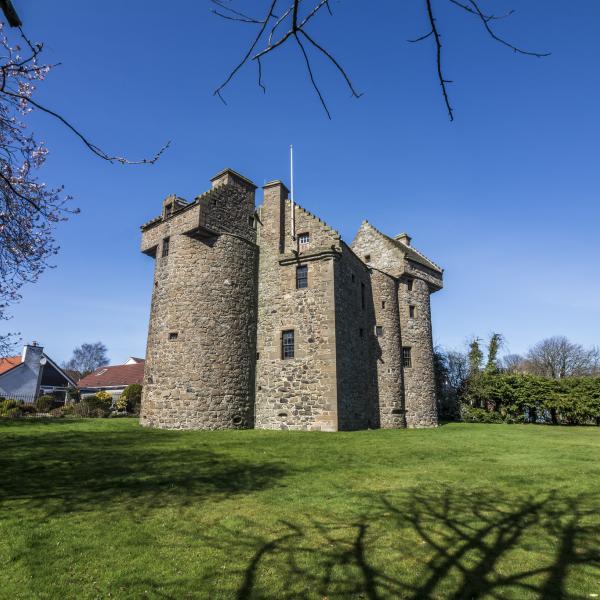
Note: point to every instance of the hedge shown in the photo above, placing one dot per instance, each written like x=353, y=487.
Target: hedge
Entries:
x=530, y=398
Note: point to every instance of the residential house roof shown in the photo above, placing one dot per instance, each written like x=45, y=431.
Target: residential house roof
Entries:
x=8, y=363
x=117, y=375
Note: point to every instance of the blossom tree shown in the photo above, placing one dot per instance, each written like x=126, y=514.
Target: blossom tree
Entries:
x=29, y=209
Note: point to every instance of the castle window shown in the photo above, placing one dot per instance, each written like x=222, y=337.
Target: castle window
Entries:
x=383, y=304
x=304, y=239
x=361, y=332
x=379, y=331
x=367, y=258
x=409, y=285
x=165, y=247
x=406, y=357
x=251, y=222
x=172, y=336
x=301, y=277
x=363, y=300
x=353, y=278
x=287, y=344
x=411, y=311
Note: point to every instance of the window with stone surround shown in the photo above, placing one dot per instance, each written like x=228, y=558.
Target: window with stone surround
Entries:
x=406, y=357
x=378, y=330
x=409, y=285
x=165, y=247
x=411, y=311
x=287, y=344
x=383, y=304
x=304, y=238
x=173, y=336
x=301, y=277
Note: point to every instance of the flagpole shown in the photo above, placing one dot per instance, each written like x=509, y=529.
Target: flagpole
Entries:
x=293, y=215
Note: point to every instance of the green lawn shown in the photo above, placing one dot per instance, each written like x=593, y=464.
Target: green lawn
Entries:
x=105, y=509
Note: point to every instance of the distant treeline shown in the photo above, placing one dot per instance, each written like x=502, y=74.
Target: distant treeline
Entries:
x=557, y=382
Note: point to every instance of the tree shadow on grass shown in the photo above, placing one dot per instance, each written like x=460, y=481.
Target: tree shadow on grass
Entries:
x=427, y=544
x=82, y=470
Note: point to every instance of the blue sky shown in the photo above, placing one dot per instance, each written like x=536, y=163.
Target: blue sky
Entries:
x=505, y=198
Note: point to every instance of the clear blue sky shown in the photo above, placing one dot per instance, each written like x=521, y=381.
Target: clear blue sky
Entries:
x=505, y=198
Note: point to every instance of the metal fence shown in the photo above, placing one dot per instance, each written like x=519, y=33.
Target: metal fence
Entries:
x=26, y=399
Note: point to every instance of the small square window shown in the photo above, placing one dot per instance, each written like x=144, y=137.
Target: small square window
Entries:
x=367, y=258
x=287, y=344
x=301, y=277
x=172, y=336
x=304, y=239
x=406, y=357
x=409, y=285
x=165, y=247
x=378, y=330
x=411, y=311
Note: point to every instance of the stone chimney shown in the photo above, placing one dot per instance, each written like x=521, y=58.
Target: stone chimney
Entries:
x=273, y=212
x=404, y=238
x=275, y=191
x=32, y=354
x=230, y=176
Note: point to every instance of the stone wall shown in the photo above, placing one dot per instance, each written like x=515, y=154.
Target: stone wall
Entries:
x=355, y=344
x=297, y=393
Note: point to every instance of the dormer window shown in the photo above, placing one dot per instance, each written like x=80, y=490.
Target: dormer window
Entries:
x=304, y=239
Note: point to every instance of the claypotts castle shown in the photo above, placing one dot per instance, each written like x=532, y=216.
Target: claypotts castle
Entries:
x=264, y=317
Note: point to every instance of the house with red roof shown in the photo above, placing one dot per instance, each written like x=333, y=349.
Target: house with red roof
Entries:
x=32, y=374
x=113, y=379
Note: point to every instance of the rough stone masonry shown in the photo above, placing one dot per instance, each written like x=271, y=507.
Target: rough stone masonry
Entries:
x=251, y=326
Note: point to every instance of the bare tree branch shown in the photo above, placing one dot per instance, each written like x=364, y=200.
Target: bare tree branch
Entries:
x=438, y=60
x=271, y=27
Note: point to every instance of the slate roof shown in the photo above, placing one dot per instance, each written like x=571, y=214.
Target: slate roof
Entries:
x=114, y=376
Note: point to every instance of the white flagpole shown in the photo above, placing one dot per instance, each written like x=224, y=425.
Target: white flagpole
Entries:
x=293, y=215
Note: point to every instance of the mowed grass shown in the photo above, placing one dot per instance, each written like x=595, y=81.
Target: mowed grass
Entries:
x=106, y=509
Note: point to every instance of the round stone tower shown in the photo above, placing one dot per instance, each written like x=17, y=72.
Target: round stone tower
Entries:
x=201, y=353
x=389, y=350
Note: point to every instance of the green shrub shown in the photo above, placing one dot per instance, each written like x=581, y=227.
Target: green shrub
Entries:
x=8, y=403
x=13, y=413
x=479, y=415
x=45, y=403
x=92, y=406
x=522, y=398
x=28, y=409
x=131, y=398
x=73, y=393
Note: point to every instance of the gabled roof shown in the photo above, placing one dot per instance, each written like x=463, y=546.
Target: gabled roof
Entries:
x=132, y=360
x=6, y=364
x=411, y=253
x=114, y=376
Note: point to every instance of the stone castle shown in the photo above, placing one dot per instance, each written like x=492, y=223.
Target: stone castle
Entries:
x=252, y=326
